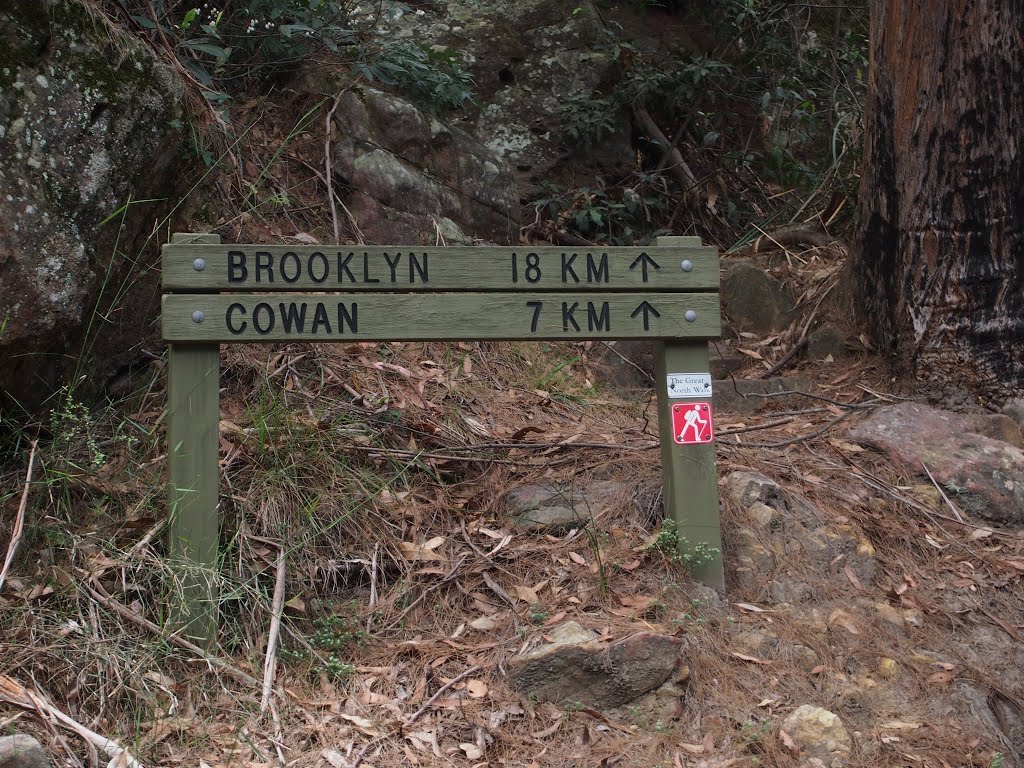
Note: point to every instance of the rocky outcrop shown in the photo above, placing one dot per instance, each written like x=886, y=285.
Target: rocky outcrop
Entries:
x=753, y=300
x=85, y=129
x=529, y=59
x=409, y=178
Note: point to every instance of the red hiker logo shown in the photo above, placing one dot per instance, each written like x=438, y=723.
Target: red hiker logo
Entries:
x=691, y=424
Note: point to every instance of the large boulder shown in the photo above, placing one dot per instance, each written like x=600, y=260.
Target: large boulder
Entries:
x=413, y=179
x=86, y=119
x=983, y=475
x=21, y=751
x=534, y=65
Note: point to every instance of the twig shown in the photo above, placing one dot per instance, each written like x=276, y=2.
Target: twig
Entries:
x=800, y=438
x=753, y=427
x=126, y=613
x=276, y=609
x=942, y=493
x=329, y=180
x=19, y=520
x=15, y=693
x=795, y=350
x=448, y=577
x=373, y=588
x=437, y=694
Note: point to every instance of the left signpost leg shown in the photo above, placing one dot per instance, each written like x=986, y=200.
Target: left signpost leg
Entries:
x=193, y=441
x=192, y=447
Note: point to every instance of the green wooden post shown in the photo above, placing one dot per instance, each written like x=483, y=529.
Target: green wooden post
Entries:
x=689, y=476
x=193, y=372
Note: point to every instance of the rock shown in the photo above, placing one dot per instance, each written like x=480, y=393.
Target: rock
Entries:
x=576, y=669
x=825, y=341
x=753, y=300
x=819, y=734
x=749, y=489
x=889, y=615
x=744, y=396
x=1014, y=408
x=999, y=426
x=413, y=177
x=985, y=477
x=546, y=507
x=86, y=117
x=21, y=751
x=888, y=668
x=748, y=559
x=533, y=62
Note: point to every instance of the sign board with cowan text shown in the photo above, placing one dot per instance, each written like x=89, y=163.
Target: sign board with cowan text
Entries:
x=218, y=293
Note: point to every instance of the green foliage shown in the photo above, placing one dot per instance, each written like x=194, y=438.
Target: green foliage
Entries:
x=587, y=118
x=678, y=549
x=226, y=49
x=434, y=76
x=333, y=634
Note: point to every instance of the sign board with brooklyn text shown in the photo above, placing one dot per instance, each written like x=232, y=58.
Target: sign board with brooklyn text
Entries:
x=218, y=293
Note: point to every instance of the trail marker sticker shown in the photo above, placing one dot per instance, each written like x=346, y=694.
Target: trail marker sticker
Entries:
x=689, y=385
x=692, y=424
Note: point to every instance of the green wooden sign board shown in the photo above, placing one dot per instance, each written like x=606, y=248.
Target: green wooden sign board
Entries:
x=218, y=293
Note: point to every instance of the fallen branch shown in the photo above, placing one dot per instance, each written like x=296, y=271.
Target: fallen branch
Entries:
x=276, y=609
x=795, y=350
x=437, y=694
x=13, y=692
x=19, y=520
x=784, y=237
x=676, y=164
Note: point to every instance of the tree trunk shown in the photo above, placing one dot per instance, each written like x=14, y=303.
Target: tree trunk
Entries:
x=938, y=261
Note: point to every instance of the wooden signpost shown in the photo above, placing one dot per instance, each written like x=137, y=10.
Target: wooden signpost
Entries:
x=216, y=294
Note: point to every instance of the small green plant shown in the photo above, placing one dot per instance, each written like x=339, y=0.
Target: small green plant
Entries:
x=334, y=634
x=677, y=548
x=538, y=614
x=74, y=430
x=996, y=761
x=753, y=734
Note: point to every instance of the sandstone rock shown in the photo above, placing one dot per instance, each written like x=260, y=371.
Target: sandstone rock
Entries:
x=748, y=489
x=576, y=669
x=985, y=477
x=542, y=507
x=753, y=300
x=21, y=751
x=819, y=734
x=742, y=396
x=413, y=177
x=888, y=668
x=999, y=426
x=85, y=125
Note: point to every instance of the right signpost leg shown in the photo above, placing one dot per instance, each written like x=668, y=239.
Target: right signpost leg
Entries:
x=689, y=475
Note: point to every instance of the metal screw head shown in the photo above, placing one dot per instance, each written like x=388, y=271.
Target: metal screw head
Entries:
x=198, y=316
x=199, y=265
x=690, y=315
x=686, y=265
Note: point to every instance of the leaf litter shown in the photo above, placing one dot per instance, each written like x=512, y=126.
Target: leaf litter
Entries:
x=380, y=470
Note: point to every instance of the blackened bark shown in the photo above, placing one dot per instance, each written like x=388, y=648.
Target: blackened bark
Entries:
x=938, y=262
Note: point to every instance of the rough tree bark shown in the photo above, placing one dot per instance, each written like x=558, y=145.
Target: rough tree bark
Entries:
x=937, y=266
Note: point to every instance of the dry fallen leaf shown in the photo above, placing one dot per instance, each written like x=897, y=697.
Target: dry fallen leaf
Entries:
x=477, y=689
x=752, y=659
x=483, y=624
x=473, y=752
x=788, y=743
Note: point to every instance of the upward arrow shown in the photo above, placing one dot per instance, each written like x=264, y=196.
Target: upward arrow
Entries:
x=644, y=261
x=648, y=309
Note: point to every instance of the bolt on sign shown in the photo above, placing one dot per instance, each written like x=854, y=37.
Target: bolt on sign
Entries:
x=218, y=293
